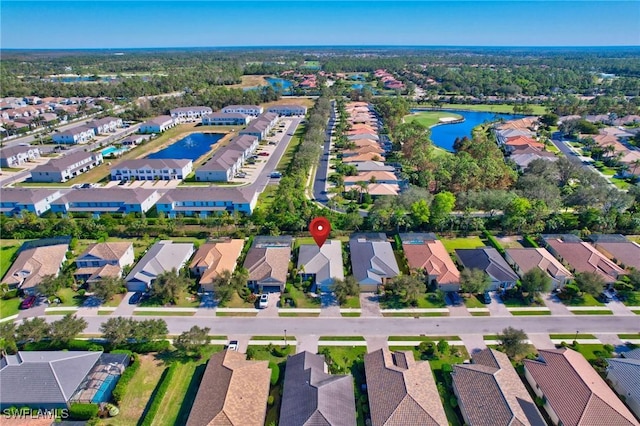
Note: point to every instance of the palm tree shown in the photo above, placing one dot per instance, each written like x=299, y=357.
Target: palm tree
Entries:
x=635, y=164
x=364, y=187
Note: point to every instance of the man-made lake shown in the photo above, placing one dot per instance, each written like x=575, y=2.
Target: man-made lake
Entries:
x=285, y=85
x=443, y=135
x=192, y=146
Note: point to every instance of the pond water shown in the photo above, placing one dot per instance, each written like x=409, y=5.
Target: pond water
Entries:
x=443, y=135
x=274, y=82
x=192, y=146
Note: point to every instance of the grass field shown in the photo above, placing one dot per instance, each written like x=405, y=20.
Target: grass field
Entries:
x=138, y=392
x=462, y=243
x=473, y=302
x=422, y=338
x=480, y=314
x=251, y=81
x=9, y=307
x=417, y=314
x=571, y=336
x=296, y=139
x=524, y=313
x=265, y=199
x=629, y=336
x=302, y=300
x=288, y=101
x=163, y=313
x=352, y=302
x=68, y=297
x=592, y=312
x=429, y=118
x=430, y=301
x=501, y=108
x=341, y=338
x=586, y=300
x=7, y=251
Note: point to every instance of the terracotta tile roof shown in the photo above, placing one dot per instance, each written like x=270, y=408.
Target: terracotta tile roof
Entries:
x=575, y=391
x=217, y=257
x=432, y=257
x=107, y=251
x=378, y=189
x=268, y=262
x=233, y=392
x=365, y=142
x=369, y=156
x=523, y=140
x=490, y=392
x=33, y=264
x=584, y=258
x=367, y=176
x=402, y=391
x=363, y=150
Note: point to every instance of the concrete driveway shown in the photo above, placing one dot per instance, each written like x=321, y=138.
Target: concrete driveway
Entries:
x=370, y=305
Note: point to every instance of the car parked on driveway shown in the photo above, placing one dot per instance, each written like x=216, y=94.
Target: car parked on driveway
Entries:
x=454, y=298
x=264, y=301
x=135, y=298
x=233, y=345
x=28, y=302
x=486, y=297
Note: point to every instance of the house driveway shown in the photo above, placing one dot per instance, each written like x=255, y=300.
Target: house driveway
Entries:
x=376, y=342
x=618, y=308
x=307, y=342
x=330, y=306
x=541, y=341
x=497, y=307
x=124, y=309
x=555, y=305
x=272, y=308
x=473, y=342
x=370, y=305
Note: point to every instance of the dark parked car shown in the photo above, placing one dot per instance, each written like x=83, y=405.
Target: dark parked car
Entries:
x=454, y=298
x=135, y=298
x=486, y=297
x=28, y=302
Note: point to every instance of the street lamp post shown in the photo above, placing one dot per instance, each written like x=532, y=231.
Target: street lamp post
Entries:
x=576, y=339
x=285, y=337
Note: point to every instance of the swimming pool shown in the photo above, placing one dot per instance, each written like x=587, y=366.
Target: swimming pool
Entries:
x=103, y=394
x=112, y=150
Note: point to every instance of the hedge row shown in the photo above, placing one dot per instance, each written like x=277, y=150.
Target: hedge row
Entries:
x=83, y=411
x=165, y=380
x=129, y=372
x=530, y=241
x=494, y=242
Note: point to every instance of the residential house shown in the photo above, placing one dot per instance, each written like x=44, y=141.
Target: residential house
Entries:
x=519, y=141
x=158, y=124
x=64, y=168
x=617, y=248
x=225, y=119
x=370, y=136
x=35, y=200
x=373, y=166
x=261, y=126
x=582, y=257
x=228, y=160
x=370, y=156
x=573, y=392
x=322, y=264
x=79, y=134
x=47, y=380
x=163, y=256
x=378, y=189
x=152, y=169
x=191, y=113
x=624, y=376
x=490, y=392
x=253, y=110
x=214, y=258
x=102, y=260
x=106, y=200
x=105, y=125
x=233, y=392
x=34, y=263
x=372, y=177
x=372, y=260
x=288, y=110
x=313, y=397
x=205, y=201
x=525, y=259
x=268, y=262
x=16, y=155
x=402, y=391
x=488, y=259
x=363, y=150
x=523, y=156
x=426, y=253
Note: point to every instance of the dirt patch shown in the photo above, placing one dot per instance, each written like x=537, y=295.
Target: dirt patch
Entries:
x=512, y=241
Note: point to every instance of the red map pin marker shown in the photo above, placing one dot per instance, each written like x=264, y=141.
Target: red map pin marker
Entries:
x=320, y=229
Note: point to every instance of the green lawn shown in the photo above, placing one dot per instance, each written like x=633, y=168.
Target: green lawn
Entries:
x=461, y=243
x=64, y=312
x=350, y=314
x=178, y=400
x=296, y=139
x=163, y=313
x=301, y=299
x=500, y=108
x=571, y=337
x=592, y=312
x=472, y=301
x=517, y=302
x=352, y=302
x=430, y=301
x=422, y=338
x=592, y=352
x=629, y=336
x=298, y=314
x=524, y=313
x=633, y=298
x=9, y=307
x=115, y=301
x=7, y=252
x=585, y=300
x=416, y=314
x=480, y=314
x=272, y=337
x=267, y=196
x=237, y=302
x=138, y=392
x=302, y=240
x=68, y=297
x=188, y=301
x=429, y=118
x=236, y=314
x=342, y=338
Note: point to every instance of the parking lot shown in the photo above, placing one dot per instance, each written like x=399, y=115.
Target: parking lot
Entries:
x=156, y=184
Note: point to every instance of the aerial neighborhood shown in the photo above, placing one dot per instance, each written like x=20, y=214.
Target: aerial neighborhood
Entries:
x=320, y=237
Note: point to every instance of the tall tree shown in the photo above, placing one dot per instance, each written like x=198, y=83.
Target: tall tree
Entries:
x=441, y=208
x=107, y=287
x=33, y=330
x=345, y=288
x=66, y=329
x=407, y=288
x=534, y=282
x=474, y=281
x=8, y=337
x=513, y=341
x=590, y=282
x=168, y=287
x=193, y=342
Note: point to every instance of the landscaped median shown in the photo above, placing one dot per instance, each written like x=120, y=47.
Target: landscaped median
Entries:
x=415, y=312
x=533, y=310
x=590, y=310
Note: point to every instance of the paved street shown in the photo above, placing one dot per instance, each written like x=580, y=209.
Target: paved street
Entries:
x=301, y=326
x=322, y=171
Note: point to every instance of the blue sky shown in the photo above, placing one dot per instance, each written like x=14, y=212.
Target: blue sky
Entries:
x=120, y=24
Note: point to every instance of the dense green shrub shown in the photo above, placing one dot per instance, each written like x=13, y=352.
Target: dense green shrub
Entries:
x=275, y=372
x=494, y=242
x=129, y=372
x=10, y=294
x=530, y=241
x=80, y=411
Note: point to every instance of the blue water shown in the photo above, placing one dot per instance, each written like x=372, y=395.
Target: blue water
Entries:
x=286, y=84
x=444, y=135
x=104, y=393
x=357, y=86
x=112, y=150
x=191, y=147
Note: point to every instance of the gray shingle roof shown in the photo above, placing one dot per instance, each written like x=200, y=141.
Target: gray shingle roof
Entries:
x=63, y=163
x=44, y=378
x=313, y=397
x=372, y=258
x=162, y=256
x=325, y=262
x=625, y=373
x=489, y=260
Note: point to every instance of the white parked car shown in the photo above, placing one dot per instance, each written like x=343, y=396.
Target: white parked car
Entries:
x=233, y=345
x=264, y=301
